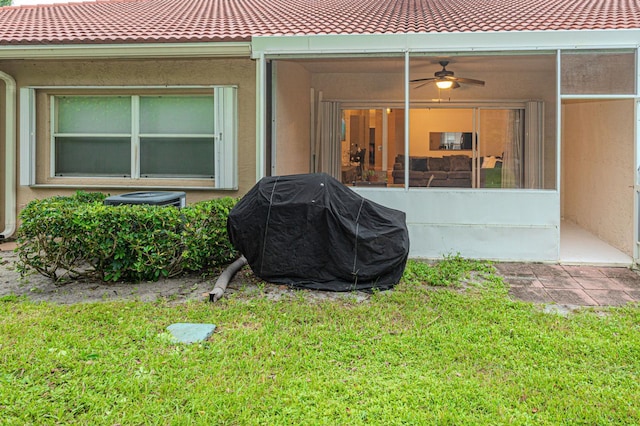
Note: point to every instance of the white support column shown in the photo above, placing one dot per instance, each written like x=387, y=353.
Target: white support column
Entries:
x=636, y=204
x=558, y=118
x=558, y=142
x=261, y=108
x=406, y=120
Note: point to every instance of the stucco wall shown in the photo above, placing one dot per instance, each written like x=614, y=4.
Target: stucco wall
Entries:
x=598, y=169
x=293, y=116
x=157, y=72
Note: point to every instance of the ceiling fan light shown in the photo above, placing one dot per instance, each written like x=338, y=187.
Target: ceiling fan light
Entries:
x=444, y=84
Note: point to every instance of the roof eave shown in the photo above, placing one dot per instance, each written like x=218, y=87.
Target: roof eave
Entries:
x=127, y=50
x=440, y=42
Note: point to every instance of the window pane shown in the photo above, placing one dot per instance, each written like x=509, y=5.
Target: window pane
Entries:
x=93, y=156
x=501, y=149
x=176, y=115
x=440, y=141
x=94, y=114
x=493, y=141
x=183, y=157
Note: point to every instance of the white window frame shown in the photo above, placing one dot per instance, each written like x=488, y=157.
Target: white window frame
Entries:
x=225, y=136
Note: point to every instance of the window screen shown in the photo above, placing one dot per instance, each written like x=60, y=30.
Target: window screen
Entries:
x=176, y=115
x=93, y=156
x=598, y=72
x=186, y=157
x=94, y=114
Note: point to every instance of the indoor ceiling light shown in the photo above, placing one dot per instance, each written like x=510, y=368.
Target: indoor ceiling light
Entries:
x=444, y=84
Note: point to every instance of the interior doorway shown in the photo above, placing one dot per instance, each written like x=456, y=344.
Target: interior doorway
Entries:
x=597, y=182
x=368, y=142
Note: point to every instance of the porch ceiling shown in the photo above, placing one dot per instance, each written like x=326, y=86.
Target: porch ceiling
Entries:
x=462, y=65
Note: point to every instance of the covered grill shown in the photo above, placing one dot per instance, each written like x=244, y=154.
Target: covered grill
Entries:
x=311, y=231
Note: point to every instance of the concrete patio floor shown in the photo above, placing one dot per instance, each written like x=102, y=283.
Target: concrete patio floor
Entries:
x=571, y=285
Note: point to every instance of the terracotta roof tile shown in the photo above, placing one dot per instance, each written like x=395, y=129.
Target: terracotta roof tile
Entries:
x=139, y=21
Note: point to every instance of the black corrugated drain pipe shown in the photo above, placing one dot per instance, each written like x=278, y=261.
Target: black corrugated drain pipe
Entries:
x=225, y=277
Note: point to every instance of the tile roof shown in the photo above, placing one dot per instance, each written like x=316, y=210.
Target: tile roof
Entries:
x=140, y=21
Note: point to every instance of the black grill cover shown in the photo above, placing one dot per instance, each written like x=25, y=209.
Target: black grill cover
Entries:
x=311, y=231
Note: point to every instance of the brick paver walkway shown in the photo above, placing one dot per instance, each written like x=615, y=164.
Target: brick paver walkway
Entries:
x=571, y=285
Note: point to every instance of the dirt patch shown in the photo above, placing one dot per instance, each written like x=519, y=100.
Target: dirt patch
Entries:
x=187, y=287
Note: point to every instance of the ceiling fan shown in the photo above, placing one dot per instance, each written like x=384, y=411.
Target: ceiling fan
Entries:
x=445, y=79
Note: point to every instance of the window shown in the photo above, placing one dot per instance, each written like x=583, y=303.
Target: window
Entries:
x=598, y=72
x=449, y=147
x=141, y=136
x=99, y=136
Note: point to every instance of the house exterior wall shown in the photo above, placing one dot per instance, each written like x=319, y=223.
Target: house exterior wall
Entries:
x=151, y=72
x=293, y=116
x=501, y=225
x=598, y=169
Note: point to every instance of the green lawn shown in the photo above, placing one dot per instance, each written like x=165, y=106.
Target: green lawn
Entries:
x=411, y=356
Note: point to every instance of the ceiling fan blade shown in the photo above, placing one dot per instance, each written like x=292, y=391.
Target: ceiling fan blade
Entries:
x=469, y=81
x=422, y=79
x=423, y=84
x=455, y=85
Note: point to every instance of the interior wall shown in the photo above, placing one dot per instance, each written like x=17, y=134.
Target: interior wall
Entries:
x=493, y=131
x=396, y=134
x=292, y=94
x=424, y=121
x=598, y=169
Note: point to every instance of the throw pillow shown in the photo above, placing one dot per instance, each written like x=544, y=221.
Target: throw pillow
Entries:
x=419, y=164
x=459, y=163
x=489, y=162
x=435, y=164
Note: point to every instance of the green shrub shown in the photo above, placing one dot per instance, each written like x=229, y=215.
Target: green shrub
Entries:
x=78, y=236
x=205, y=234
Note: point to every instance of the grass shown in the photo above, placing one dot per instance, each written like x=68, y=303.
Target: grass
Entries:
x=411, y=356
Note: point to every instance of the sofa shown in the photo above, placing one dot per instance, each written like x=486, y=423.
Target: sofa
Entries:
x=448, y=171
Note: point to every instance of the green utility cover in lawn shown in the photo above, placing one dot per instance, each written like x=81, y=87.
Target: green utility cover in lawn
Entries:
x=191, y=333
